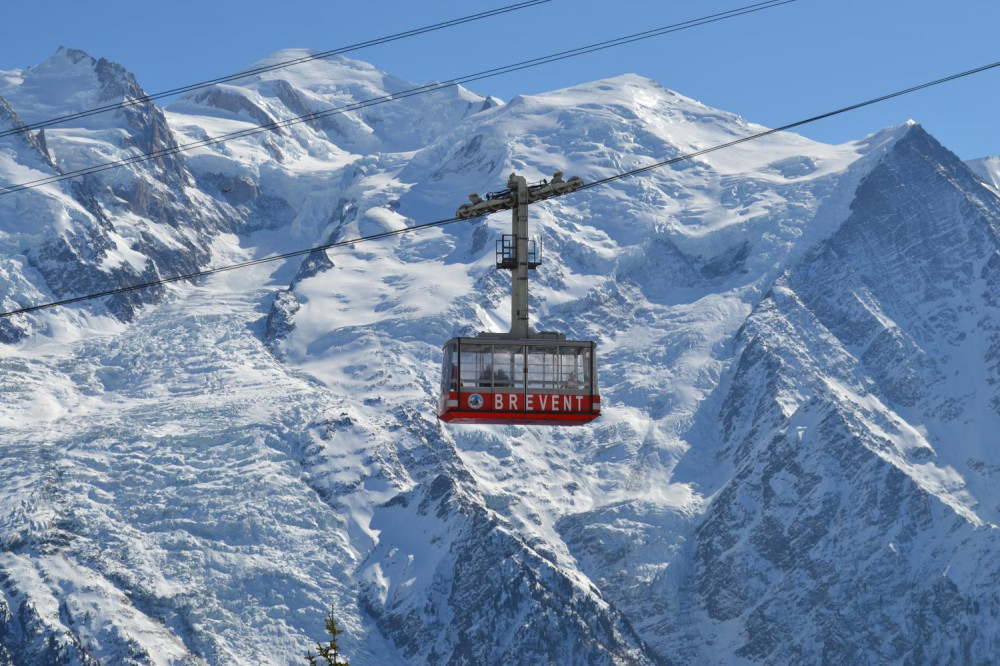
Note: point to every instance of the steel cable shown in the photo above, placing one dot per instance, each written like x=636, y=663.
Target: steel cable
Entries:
x=419, y=90
x=270, y=68
x=438, y=223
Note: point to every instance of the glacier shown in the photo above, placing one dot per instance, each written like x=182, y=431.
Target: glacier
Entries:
x=798, y=348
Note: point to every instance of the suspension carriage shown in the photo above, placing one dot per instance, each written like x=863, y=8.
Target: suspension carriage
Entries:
x=520, y=377
x=535, y=381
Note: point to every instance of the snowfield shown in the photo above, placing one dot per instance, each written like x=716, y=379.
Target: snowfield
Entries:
x=797, y=459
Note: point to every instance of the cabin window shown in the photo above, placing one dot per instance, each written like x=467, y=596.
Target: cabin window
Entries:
x=513, y=367
x=543, y=367
x=449, y=379
x=476, y=362
x=575, y=367
x=559, y=368
x=508, y=367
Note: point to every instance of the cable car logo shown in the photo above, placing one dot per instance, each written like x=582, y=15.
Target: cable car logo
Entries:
x=475, y=401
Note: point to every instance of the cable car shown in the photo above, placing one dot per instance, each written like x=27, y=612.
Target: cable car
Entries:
x=522, y=376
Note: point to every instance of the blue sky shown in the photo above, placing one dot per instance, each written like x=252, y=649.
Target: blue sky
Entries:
x=773, y=67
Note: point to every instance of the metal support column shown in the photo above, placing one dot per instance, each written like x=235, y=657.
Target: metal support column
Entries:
x=519, y=327
x=516, y=197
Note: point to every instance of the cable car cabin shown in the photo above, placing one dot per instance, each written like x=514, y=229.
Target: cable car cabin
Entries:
x=537, y=381
x=520, y=377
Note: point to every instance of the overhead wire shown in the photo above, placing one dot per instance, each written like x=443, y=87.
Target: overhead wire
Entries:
x=419, y=90
x=438, y=223
x=41, y=124
x=233, y=267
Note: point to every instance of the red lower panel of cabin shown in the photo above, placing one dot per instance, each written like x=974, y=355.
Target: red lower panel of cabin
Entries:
x=527, y=409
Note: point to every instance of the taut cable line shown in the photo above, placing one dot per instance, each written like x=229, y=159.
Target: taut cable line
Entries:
x=797, y=123
x=272, y=67
x=419, y=90
x=231, y=267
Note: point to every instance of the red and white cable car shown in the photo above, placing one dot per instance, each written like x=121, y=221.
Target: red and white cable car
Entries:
x=519, y=377
x=535, y=381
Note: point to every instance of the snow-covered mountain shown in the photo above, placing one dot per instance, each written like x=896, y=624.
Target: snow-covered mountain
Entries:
x=798, y=346
x=988, y=168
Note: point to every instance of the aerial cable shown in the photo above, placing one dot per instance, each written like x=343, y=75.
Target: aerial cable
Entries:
x=419, y=90
x=270, y=68
x=232, y=267
x=438, y=223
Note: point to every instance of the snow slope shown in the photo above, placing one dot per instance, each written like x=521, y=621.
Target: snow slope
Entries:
x=798, y=356
x=988, y=168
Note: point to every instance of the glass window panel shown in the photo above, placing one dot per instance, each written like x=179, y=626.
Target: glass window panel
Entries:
x=508, y=366
x=543, y=367
x=475, y=362
x=568, y=373
x=449, y=378
x=574, y=367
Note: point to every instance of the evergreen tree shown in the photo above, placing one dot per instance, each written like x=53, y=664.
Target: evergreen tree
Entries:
x=330, y=651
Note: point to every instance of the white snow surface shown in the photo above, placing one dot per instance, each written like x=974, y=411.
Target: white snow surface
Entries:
x=179, y=481
x=988, y=168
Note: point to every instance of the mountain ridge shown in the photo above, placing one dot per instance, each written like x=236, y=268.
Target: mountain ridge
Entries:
x=239, y=454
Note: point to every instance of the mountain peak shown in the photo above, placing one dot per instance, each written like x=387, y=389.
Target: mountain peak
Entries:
x=632, y=96
x=68, y=81
x=71, y=54
x=321, y=74
x=64, y=63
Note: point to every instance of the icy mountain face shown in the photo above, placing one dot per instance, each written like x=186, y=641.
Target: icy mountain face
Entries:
x=309, y=88
x=859, y=430
x=798, y=362
x=104, y=230
x=24, y=141
x=71, y=81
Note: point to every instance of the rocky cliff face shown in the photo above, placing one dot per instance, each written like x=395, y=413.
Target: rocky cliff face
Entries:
x=862, y=495
x=798, y=348
x=106, y=230
x=23, y=140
